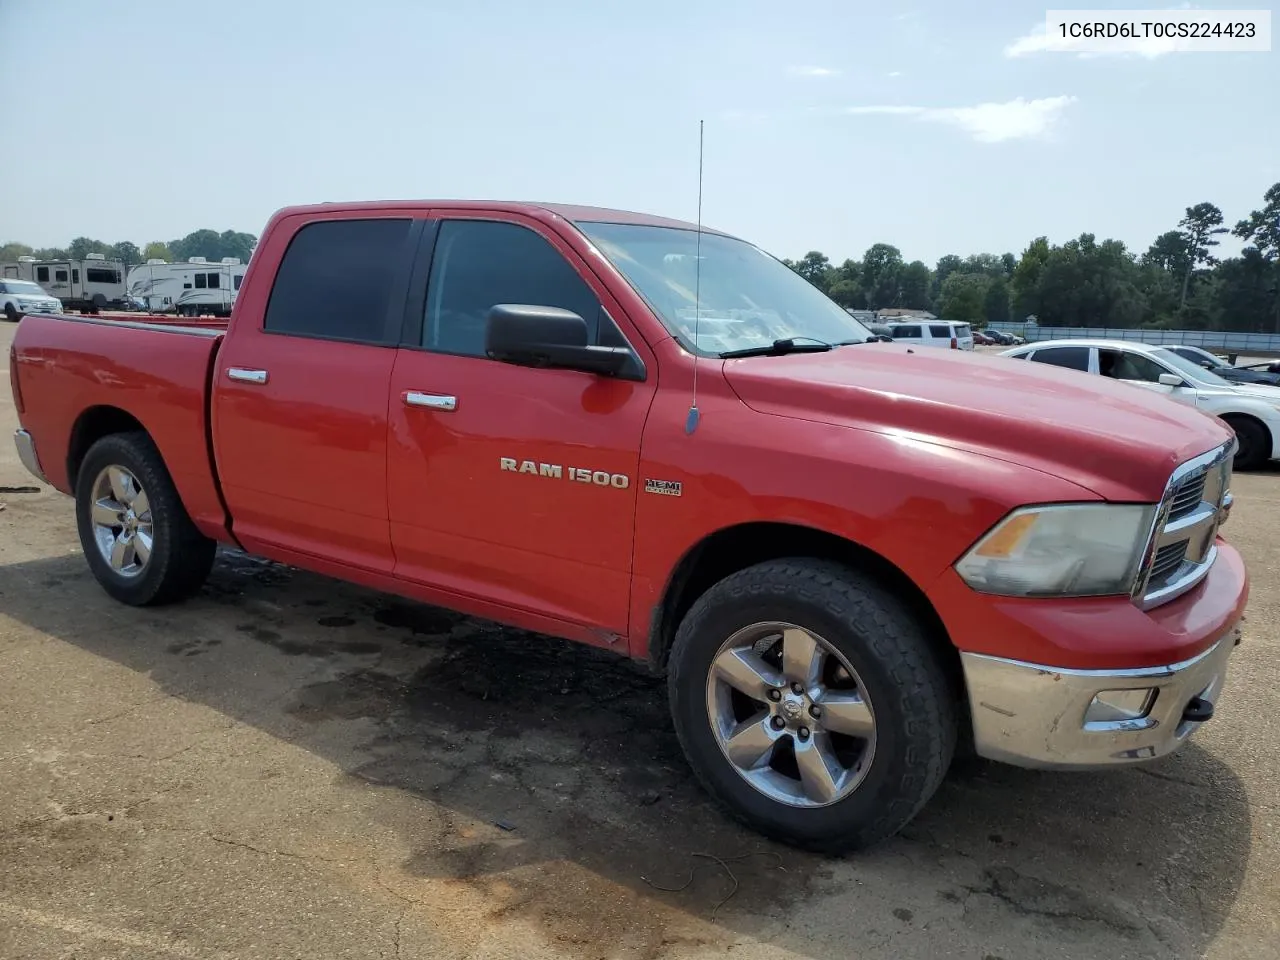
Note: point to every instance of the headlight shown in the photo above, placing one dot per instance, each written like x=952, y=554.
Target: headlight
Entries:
x=1061, y=550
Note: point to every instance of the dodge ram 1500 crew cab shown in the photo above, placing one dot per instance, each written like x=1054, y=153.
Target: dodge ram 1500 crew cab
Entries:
x=846, y=554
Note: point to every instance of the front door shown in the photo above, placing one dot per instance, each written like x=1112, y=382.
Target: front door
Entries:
x=512, y=484
x=300, y=390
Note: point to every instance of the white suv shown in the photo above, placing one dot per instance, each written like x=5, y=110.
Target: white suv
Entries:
x=20, y=297
x=933, y=333
x=1252, y=410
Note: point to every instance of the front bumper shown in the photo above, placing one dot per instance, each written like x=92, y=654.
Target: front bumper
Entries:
x=1030, y=715
x=27, y=454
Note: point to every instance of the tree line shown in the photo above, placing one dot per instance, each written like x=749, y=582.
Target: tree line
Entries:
x=1178, y=283
x=209, y=244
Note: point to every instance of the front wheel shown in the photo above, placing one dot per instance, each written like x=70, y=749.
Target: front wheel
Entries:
x=811, y=704
x=1254, y=443
x=11, y=313
x=136, y=534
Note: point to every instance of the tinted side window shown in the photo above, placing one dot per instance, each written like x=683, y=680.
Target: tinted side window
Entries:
x=200, y=281
x=239, y=278
x=335, y=280
x=1077, y=358
x=1122, y=365
x=940, y=330
x=75, y=275
x=901, y=332
x=42, y=274
x=478, y=264
x=60, y=276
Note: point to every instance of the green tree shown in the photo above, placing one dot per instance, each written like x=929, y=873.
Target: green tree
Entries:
x=125, y=251
x=963, y=297
x=1261, y=230
x=1010, y=263
x=945, y=267
x=12, y=251
x=882, y=275
x=51, y=253
x=995, y=307
x=155, y=250
x=915, y=286
x=1026, y=278
x=82, y=246
x=1200, y=226
x=816, y=268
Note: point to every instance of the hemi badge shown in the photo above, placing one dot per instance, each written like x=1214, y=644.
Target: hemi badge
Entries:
x=666, y=488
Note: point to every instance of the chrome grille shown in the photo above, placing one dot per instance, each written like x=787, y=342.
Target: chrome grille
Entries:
x=1189, y=495
x=1180, y=550
x=1168, y=559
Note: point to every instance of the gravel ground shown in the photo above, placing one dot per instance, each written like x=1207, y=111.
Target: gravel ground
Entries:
x=291, y=767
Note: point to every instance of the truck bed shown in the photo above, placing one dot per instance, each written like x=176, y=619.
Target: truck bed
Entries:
x=155, y=373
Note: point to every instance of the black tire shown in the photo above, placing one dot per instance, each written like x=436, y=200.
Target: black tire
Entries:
x=11, y=314
x=1254, y=441
x=903, y=676
x=181, y=557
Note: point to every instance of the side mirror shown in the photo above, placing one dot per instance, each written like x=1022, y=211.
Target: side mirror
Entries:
x=534, y=336
x=1206, y=364
x=1172, y=380
x=882, y=338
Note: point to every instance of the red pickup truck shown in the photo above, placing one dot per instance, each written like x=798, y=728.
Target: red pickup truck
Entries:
x=848, y=555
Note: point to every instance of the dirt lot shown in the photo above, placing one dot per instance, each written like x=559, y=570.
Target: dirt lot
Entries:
x=288, y=767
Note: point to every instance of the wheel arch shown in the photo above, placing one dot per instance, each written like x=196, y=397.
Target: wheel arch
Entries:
x=92, y=425
x=1232, y=417
x=735, y=548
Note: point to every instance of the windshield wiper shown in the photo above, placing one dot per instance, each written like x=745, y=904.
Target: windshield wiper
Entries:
x=778, y=348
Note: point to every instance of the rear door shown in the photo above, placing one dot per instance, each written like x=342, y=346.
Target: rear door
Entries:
x=512, y=484
x=300, y=389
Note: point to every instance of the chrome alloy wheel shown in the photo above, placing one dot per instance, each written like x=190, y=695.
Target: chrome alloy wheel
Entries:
x=790, y=714
x=122, y=526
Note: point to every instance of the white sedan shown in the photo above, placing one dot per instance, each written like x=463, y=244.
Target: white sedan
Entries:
x=1252, y=410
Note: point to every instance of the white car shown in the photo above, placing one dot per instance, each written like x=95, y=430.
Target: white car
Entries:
x=1252, y=410
x=932, y=333
x=20, y=297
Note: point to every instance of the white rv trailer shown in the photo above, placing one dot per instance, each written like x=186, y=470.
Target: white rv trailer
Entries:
x=194, y=288
x=89, y=285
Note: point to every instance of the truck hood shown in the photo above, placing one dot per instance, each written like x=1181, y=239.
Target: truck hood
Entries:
x=1116, y=440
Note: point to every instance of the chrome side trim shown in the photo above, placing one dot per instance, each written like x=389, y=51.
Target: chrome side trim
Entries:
x=432, y=401
x=1198, y=528
x=26, y=445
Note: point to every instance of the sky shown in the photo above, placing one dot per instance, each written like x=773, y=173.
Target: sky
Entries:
x=939, y=126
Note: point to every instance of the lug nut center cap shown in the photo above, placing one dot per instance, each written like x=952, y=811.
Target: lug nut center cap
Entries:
x=791, y=709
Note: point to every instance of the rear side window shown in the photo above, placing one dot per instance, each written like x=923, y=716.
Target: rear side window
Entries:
x=940, y=330
x=1076, y=358
x=906, y=331
x=335, y=280
x=480, y=263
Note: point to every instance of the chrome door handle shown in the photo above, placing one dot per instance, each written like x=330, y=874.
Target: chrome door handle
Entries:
x=246, y=376
x=432, y=401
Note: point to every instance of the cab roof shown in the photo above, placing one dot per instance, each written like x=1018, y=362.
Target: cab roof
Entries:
x=574, y=213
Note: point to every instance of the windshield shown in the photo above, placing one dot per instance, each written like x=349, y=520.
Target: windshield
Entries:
x=1203, y=356
x=747, y=298
x=24, y=286
x=1189, y=369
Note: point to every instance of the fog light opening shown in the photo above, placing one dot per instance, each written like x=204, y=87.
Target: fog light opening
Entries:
x=1114, y=706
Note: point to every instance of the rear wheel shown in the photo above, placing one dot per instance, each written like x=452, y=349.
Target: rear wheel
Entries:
x=137, y=537
x=1254, y=443
x=810, y=703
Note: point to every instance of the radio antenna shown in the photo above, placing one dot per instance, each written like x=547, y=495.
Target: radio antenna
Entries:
x=691, y=423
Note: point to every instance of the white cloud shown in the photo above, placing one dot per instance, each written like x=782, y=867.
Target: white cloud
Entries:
x=1017, y=119
x=895, y=73
x=813, y=71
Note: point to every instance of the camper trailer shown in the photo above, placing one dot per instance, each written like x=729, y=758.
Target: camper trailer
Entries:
x=194, y=288
x=89, y=285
